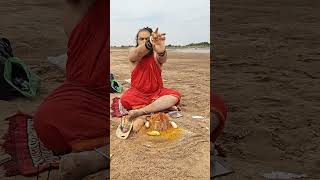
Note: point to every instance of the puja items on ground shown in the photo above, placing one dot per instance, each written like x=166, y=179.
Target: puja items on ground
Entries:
x=158, y=123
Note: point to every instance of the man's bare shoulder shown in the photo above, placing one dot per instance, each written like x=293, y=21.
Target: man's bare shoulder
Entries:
x=131, y=53
x=131, y=49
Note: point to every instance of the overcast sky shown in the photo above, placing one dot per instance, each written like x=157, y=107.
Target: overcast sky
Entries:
x=184, y=21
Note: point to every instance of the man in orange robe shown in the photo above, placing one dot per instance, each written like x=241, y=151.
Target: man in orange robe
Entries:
x=147, y=94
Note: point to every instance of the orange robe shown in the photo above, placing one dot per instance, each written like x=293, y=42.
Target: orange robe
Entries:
x=146, y=85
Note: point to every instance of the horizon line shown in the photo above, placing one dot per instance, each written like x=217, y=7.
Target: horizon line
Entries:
x=195, y=43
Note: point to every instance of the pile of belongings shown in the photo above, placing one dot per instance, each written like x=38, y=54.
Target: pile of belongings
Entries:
x=16, y=78
x=115, y=86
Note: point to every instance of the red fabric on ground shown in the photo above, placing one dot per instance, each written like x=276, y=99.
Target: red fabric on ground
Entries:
x=218, y=107
x=25, y=148
x=146, y=85
x=78, y=110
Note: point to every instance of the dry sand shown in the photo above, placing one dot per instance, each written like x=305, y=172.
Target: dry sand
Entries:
x=188, y=157
x=266, y=66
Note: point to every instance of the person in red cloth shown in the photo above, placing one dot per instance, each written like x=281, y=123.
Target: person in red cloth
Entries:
x=147, y=94
x=74, y=117
x=218, y=118
x=219, y=110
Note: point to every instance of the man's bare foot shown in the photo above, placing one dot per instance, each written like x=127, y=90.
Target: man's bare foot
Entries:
x=75, y=166
x=134, y=114
x=174, y=108
x=138, y=123
x=178, y=107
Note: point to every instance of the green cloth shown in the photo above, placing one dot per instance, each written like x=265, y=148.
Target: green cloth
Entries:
x=18, y=75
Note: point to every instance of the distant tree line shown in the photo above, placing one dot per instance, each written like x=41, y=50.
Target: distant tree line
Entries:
x=201, y=44
x=205, y=44
x=122, y=46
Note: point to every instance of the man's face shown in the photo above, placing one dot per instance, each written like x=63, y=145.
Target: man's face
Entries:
x=143, y=36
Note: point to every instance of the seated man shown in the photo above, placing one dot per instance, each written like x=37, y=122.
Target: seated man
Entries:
x=147, y=94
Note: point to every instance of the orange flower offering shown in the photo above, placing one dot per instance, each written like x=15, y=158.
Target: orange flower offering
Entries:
x=161, y=125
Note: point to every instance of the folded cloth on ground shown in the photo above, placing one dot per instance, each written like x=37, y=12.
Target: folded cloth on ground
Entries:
x=29, y=155
x=117, y=109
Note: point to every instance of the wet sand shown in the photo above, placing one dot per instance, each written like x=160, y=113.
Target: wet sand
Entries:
x=266, y=65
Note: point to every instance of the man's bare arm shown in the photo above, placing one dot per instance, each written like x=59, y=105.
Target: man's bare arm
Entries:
x=137, y=53
x=162, y=58
x=159, y=46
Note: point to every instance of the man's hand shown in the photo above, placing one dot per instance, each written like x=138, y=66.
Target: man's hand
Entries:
x=158, y=41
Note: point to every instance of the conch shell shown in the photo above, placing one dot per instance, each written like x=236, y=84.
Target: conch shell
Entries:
x=173, y=124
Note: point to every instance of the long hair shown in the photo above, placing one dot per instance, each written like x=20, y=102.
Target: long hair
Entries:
x=141, y=30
